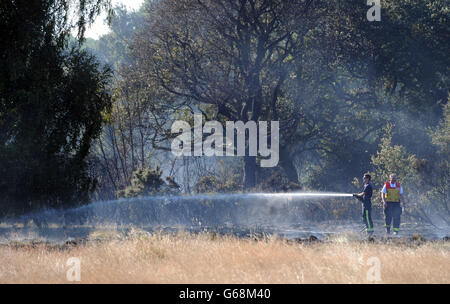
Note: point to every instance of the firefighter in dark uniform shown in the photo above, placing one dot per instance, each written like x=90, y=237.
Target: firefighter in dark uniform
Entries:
x=365, y=196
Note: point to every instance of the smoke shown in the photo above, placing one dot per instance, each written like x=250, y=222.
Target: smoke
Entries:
x=235, y=211
x=241, y=214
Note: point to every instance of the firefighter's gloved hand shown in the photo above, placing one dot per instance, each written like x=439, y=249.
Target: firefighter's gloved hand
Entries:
x=358, y=197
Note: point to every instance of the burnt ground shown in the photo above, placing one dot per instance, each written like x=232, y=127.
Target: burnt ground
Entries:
x=301, y=232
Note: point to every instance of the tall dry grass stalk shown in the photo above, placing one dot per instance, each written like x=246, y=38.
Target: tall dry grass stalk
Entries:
x=206, y=258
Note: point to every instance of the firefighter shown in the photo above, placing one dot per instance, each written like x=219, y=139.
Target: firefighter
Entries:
x=392, y=196
x=366, y=196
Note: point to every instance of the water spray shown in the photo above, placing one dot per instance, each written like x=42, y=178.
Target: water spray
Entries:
x=298, y=195
x=303, y=194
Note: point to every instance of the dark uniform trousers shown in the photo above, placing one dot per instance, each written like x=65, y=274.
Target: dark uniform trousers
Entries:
x=392, y=211
x=367, y=215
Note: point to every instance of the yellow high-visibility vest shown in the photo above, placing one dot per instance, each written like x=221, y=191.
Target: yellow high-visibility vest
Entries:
x=392, y=194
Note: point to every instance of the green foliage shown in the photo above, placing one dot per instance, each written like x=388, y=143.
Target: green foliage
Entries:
x=51, y=99
x=408, y=49
x=438, y=176
x=213, y=184
x=278, y=182
x=113, y=48
x=225, y=179
x=441, y=135
x=425, y=181
x=145, y=181
x=393, y=159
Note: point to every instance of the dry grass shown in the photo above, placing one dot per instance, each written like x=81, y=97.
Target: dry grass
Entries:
x=205, y=258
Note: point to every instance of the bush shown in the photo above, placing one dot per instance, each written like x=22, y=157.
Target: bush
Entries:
x=394, y=159
x=147, y=181
x=425, y=185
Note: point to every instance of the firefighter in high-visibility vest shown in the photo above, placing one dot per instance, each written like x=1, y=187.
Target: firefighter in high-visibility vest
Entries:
x=392, y=196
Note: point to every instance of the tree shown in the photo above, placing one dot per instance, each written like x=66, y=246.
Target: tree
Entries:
x=405, y=54
x=133, y=126
x=331, y=77
x=437, y=177
x=233, y=58
x=51, y=100
x=393, y=71
x=393, y=159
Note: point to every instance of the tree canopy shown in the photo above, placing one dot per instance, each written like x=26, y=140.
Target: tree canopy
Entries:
x=51, y=100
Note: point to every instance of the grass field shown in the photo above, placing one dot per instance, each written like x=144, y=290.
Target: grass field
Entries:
x=141, y=257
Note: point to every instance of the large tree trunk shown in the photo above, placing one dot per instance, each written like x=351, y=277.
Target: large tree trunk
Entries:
x=287, y=165
x=249, y=172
